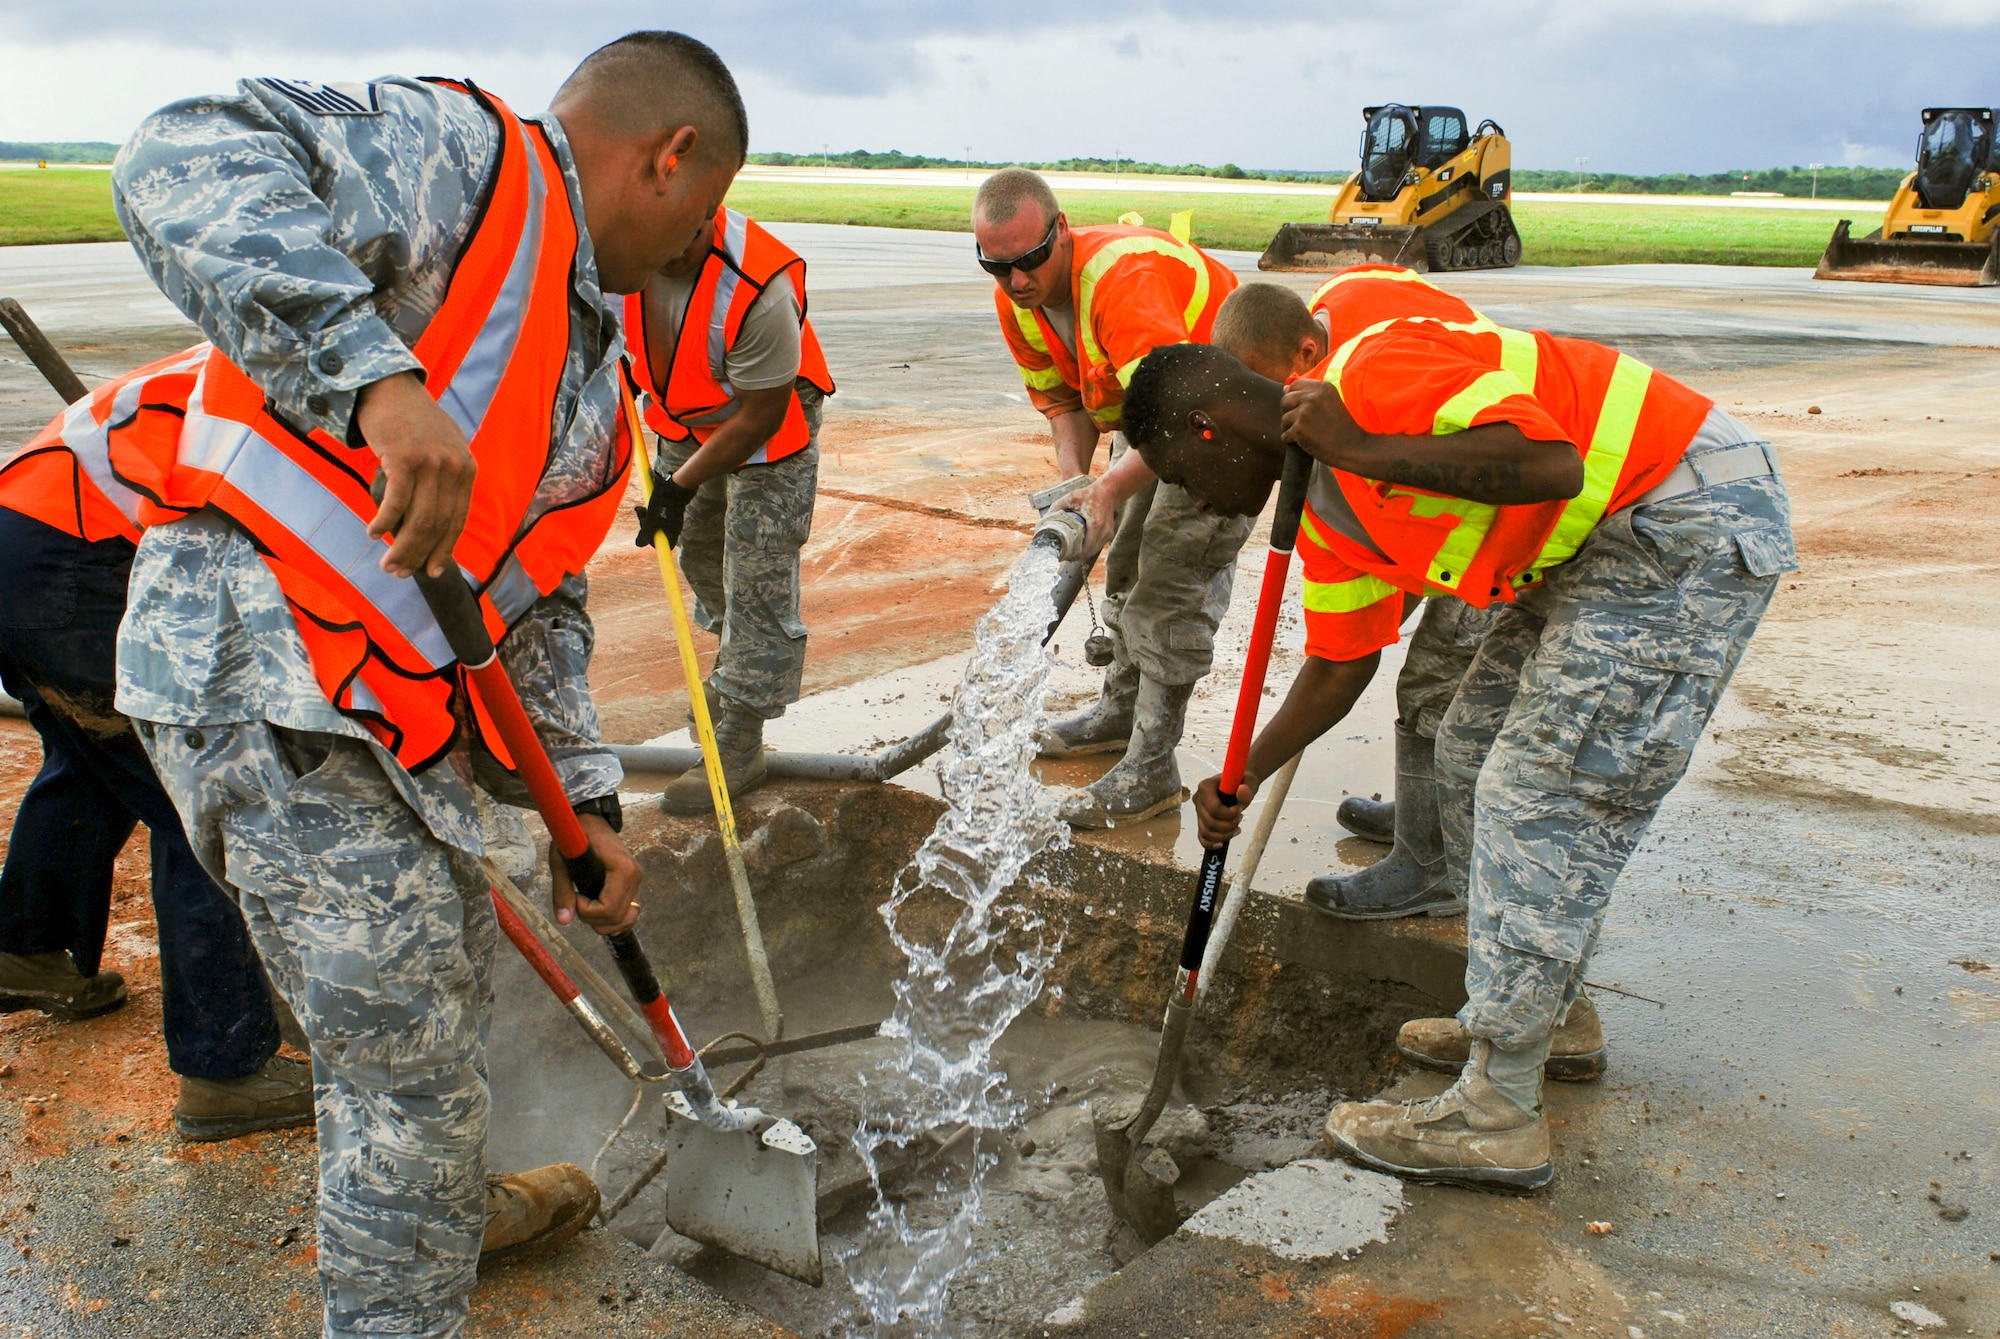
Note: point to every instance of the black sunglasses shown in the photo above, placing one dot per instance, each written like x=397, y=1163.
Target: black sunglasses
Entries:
x=1032, y=259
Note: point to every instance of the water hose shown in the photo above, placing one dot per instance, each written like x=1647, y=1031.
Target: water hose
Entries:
x=711, y=754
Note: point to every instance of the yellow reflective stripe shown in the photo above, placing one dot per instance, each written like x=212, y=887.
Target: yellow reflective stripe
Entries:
x=1042, y=378
x=1181, y=224
x=1462, y=543
x=1109, y=417
x=1113, y=252
x=1125, y=372
x=1519, y=353
x=1031, y=330
x=1617, y=421
x=1395, y=276
x=1457, y=413
x=1344, y=597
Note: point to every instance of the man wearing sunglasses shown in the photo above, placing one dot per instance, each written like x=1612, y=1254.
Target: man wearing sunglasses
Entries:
x=1079, y=308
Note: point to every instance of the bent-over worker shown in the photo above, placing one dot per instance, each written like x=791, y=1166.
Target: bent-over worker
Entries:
x=1632, y=534
x=398, y=277
x=734, y=381
x=1079, y=308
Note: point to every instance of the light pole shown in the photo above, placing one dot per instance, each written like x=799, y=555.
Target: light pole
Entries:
x=1816, y=171
x=1579, y=174
x=968, y=162
x=1117, y=158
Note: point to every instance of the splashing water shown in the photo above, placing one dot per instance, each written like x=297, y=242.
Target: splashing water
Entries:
x=962, y=988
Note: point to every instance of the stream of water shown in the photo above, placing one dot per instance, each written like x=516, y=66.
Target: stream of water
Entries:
x=960, y=991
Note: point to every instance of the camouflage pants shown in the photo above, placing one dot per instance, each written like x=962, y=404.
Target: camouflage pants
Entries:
x=740, y=551
x=1448, y=635
x=1167, y=579
x=381, y=939
x=1578, y=715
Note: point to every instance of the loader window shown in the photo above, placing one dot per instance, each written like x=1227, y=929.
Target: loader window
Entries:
x=1444, y=136
x=1955, y=148
x=1387, y=146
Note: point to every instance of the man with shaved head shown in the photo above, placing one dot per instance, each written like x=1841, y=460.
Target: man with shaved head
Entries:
x=1079, y=308
x=404, y=285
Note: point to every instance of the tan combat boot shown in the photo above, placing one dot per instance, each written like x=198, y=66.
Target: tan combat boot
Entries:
x=1576, y=1051
x=277, y=1097
x=1471, y=1134
x=739, y=737
x=543, y=1207
x=51, y=983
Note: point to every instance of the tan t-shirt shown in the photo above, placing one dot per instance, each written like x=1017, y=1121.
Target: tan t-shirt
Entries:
x=766, y=352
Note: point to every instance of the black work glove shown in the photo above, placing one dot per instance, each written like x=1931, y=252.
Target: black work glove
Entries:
x=664, y=512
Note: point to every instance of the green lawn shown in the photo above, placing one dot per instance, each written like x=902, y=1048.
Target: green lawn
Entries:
x=1551, y=234
x=73, y=205
x=56, y=205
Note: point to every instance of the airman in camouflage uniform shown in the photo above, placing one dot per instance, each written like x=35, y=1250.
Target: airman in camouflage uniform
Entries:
x=1579, y=712
x=312, y=230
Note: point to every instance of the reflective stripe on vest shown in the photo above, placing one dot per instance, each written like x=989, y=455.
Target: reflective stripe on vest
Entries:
x=1603, y=462
x=89, y=440
x=1090, y=352
x=1036, y=378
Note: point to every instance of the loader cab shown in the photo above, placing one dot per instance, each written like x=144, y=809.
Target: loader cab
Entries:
x=1956, y=148
x=1400, y=140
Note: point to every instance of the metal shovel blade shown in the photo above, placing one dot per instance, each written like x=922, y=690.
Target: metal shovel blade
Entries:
x=752, y=1193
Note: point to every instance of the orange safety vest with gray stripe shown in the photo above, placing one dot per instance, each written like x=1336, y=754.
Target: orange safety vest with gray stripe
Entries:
x=1409, y=358
x=695, y=397
x=193, y=431
x=1134, y=290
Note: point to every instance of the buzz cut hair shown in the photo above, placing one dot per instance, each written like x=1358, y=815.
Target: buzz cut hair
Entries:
x=651, y=81
x=1263, y=323
x=1001, y=196
x=1171, y=381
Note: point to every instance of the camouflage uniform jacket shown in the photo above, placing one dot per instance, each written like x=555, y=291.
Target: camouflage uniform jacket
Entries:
x=311, y=232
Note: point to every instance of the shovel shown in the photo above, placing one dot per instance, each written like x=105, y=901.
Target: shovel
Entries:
x=1141, y=1190
x=739, y=1180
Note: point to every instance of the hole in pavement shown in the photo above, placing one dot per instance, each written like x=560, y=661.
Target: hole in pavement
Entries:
x=1296, y=1016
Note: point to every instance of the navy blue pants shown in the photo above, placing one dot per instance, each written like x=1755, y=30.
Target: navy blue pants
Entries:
x=61, y=599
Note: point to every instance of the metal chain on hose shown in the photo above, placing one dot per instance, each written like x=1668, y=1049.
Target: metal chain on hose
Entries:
x=1097, y=648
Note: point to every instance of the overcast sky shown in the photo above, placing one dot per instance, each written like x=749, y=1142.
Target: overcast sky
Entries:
x=1633, y=85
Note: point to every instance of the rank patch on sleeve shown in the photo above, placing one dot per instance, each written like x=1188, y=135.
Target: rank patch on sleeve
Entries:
x=346, y=99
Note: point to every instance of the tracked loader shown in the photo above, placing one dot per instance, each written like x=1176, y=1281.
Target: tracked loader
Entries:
x=1430, y=195
x=1943, y=226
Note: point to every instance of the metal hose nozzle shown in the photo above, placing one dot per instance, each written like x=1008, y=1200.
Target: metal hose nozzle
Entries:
x=1064, y=531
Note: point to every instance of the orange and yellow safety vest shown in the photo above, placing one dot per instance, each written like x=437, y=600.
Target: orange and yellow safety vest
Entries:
x=193, y=431
x=695, y=397
x=1134, y=290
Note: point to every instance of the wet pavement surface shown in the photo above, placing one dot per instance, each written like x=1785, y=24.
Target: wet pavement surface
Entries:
x=1785, y=1141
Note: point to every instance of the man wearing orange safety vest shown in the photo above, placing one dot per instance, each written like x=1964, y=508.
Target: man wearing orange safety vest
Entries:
x=403, y=284
x=1631, y=535
x=733, y=378
x=1079, y=308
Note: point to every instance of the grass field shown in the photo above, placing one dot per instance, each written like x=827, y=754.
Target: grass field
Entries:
x=70, y=205
x=56, y=205
x=1551, y=234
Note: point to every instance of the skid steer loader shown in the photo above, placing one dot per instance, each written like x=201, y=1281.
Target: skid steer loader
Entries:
x=1429, y=195
x=1943, y=226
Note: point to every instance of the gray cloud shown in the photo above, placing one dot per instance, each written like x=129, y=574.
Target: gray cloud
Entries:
x=1637, y=85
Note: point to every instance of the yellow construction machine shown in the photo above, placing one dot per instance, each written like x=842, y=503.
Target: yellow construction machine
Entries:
x=1943, y=227
x=1430, y=194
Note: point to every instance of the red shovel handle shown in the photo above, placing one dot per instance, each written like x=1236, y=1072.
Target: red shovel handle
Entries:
x=457, y=612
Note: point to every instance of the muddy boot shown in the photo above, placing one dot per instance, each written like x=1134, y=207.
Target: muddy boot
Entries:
x=543, y=1207
x=1147, y=780
x=51, y=983
x=739, y=737
x=276, y=1097
x=1411, y=880
x=1576, y=1052
x=1374, y=819
x=1471, y=1134
x=1103, y=726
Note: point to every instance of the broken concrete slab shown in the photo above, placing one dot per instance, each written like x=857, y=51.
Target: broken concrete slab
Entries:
x=1308, y=1211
